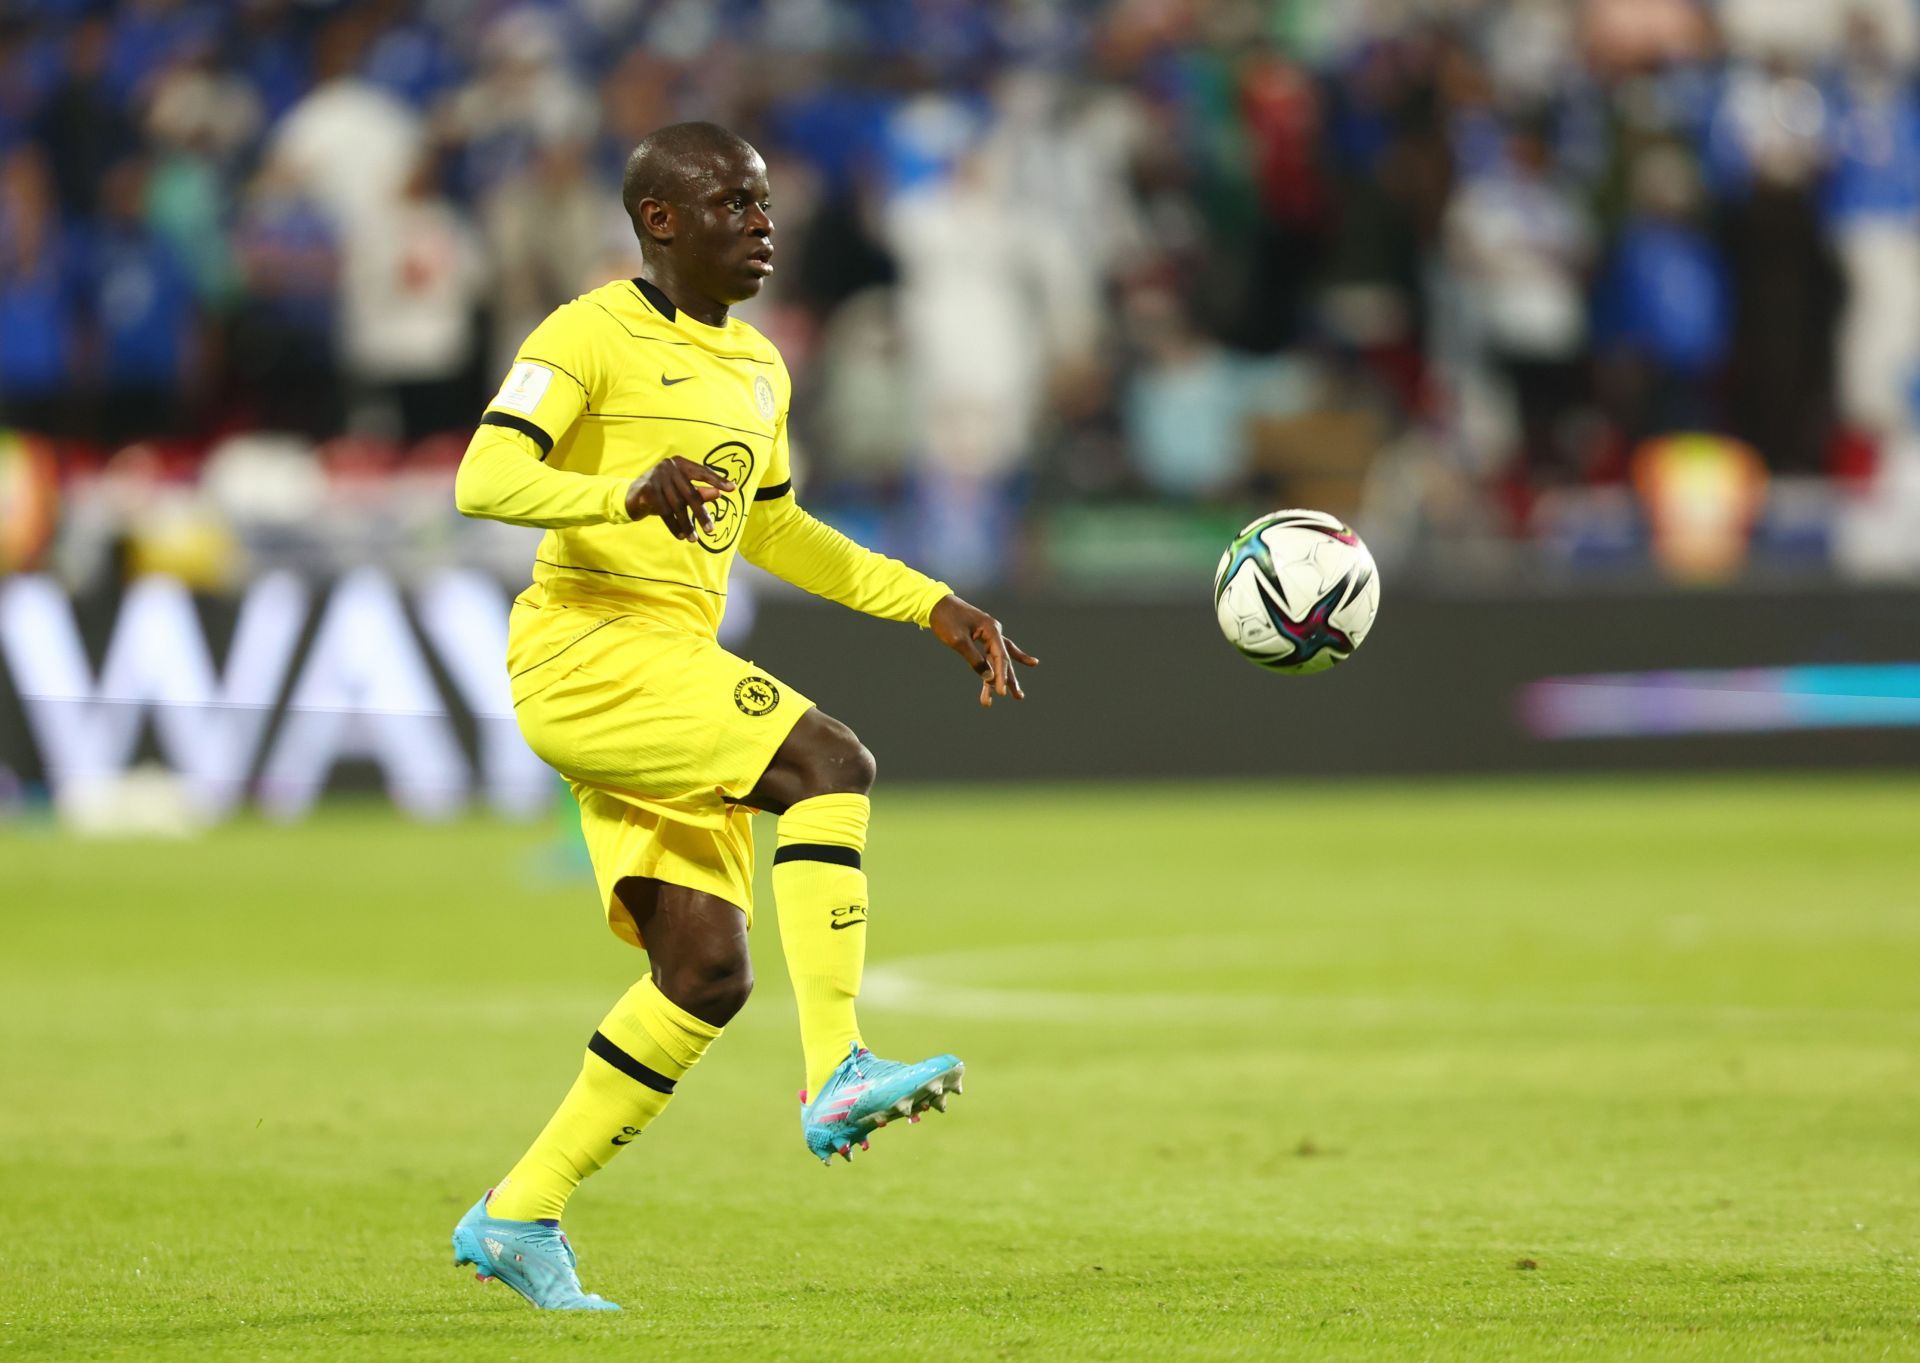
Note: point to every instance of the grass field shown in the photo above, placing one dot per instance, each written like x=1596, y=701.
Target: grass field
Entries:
x=1453, y=1071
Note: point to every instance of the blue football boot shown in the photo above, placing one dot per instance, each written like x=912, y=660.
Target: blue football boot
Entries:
x=866, y=1092
x=531, y=1257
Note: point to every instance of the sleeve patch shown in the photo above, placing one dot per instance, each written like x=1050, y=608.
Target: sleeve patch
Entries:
x=526, y=384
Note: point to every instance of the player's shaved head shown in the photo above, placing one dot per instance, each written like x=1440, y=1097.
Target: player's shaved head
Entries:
x=698, y=198
x=672, y=163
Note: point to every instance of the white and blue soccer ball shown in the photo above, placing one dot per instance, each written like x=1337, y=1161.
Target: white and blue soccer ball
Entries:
x=1296, y=591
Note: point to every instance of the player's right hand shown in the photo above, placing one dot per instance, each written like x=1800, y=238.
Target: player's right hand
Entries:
x=677, y=491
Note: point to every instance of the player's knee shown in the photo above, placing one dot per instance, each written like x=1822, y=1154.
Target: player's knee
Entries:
x=822, y=756
x=827, y=759
x=859, y=770
x=841, y=764
x=725, y=995
x=713, y=990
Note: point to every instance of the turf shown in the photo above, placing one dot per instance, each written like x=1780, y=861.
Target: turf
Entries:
x=1437, y=1071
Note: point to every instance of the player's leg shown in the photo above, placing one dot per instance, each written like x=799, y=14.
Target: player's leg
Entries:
x=820, y=756
x=699, y=977
x=647, y=724
x=818, y=783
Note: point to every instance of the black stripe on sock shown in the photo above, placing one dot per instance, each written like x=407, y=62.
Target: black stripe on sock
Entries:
x=818, y=851
x=627, y=1065
x=526, y=428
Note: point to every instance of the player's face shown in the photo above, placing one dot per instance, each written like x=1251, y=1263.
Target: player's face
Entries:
x=728, y=230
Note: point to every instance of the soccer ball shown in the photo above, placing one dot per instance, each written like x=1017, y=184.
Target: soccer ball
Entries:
x=1296, y=591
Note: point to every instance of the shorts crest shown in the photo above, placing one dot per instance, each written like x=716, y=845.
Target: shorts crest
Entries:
x=756, y=695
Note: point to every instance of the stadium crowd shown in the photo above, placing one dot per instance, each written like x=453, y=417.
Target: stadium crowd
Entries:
x=1032, y=251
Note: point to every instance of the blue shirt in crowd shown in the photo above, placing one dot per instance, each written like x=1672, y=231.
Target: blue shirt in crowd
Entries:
x=1665, y=295
x=36, y=329
x=141, y=300
x=1875, y=151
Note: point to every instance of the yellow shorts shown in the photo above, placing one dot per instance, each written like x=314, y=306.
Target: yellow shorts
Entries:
x=659, y=731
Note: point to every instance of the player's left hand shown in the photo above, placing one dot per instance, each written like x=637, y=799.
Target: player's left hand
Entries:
x=977, y=637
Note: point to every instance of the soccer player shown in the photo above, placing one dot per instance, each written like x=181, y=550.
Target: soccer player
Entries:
x=646, y=429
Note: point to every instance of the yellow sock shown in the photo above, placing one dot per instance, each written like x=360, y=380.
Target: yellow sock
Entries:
x=821, y=895
x=644, y=1047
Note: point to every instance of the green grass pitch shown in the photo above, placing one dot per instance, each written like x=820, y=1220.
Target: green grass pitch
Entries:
x=1605, y=1070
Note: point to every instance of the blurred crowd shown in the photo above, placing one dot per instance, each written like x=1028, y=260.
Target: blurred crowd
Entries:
x=1032, y=252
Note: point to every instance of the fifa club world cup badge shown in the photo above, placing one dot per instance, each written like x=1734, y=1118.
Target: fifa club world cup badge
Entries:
x=763, y=396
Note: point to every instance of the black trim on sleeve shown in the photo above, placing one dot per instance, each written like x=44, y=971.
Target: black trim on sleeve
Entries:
x=767, y=494
x=818, y=851
x=522, y=425
x=627, y=1065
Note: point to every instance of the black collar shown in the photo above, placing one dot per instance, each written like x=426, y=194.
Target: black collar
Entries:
x=656, y=296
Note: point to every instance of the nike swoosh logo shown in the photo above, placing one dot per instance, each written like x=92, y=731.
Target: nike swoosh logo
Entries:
x=666, y=382
x=622, y=1140
x=839, y=923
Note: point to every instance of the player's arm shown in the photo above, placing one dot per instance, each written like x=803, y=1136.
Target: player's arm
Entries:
x=502, y=478
x=504, y=475
x=783, y=539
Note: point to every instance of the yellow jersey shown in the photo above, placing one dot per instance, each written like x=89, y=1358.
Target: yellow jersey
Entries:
x=601, y=391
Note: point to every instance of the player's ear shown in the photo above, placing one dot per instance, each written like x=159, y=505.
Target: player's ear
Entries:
x=657, y=220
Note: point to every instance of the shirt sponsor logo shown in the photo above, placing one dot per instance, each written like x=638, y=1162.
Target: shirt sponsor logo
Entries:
x=526, y=384
x=729, y=512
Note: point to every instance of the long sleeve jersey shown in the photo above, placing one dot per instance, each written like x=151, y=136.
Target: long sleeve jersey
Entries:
x=606, y=387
